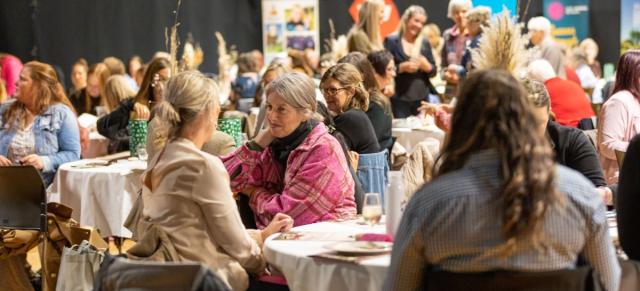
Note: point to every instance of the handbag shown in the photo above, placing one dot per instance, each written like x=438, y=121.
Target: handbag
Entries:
x=78, y=267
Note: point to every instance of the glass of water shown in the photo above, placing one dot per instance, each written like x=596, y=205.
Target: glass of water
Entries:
x=142, y=152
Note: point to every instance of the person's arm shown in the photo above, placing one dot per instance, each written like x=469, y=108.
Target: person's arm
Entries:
x=613, y=118
x=249, y=168
x=68, y=143
x=114, y=125
x=582, y=157
x=406, y=271
x=316, y=186
x=599, y=249
x=429, y=66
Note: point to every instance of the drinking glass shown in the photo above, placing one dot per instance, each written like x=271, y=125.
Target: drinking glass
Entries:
x=142, y=152
x=372, y=208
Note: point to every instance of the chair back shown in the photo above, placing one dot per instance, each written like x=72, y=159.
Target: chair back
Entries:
x=373, y=172
x=23, y=200
x=118, y=273
x=579, y=279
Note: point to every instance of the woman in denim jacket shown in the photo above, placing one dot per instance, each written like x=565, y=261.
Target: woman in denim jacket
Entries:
x=39, y=128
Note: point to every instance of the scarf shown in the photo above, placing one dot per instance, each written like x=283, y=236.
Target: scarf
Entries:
x=282, y=147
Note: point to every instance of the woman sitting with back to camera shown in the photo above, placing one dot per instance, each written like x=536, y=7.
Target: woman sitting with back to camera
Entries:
x=186, y=191
x=294, y=165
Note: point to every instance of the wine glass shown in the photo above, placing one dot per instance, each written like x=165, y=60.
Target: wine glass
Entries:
x=372, y=209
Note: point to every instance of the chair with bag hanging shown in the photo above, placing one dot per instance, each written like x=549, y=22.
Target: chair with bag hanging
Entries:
x=23, y=216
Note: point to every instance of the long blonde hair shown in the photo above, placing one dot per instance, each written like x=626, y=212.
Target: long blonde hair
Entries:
x=187, y=95
x=115, y=90
x=102, y=72
x=369, y=21
x=408, y=13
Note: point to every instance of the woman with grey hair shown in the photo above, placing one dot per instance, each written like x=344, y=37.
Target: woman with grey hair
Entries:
x=186, y=191
x=294, y=165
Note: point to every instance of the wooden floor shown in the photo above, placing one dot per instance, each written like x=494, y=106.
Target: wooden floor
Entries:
x=34, y=259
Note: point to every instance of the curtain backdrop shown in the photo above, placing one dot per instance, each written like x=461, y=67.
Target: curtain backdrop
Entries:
x=60, y=31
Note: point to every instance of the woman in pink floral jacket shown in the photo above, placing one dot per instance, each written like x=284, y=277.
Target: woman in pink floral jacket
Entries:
x=294, y=166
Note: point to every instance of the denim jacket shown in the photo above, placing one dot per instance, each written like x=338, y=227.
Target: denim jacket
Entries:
x=57, y=138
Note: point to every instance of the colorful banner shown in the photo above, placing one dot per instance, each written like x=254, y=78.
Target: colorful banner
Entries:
x=570, y=19
x=629, y=25
x=289, y=24
x=498, y=5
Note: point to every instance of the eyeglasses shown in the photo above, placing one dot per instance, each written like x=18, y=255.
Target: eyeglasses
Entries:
x=331, y=91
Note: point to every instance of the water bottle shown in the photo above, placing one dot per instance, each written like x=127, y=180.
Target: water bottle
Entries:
x=394, y=201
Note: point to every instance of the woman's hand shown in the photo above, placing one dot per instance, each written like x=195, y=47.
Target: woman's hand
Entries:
x=280, y=223
x=4, y=162
x=264, y=137
x=408, y=67
x=424, y=64
x=141, y=111
x=33, y=160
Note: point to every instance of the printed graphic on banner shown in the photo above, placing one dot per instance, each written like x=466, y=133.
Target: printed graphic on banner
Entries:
x=390, y=20
x=629, y=25
x=289, y=24
x=497, y=6
x=570, y=20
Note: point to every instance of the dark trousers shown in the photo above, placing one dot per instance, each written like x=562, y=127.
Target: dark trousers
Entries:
x=404, y=109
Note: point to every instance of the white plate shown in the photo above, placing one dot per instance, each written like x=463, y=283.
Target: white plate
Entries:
x=361, y=247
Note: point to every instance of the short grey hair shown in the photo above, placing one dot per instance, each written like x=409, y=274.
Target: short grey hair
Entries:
x=457, y=4
x=540, y=70
x=297, y=90
x=540, y=23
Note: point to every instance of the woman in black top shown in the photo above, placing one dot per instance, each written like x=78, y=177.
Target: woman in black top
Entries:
x=379, y=111
x=628, y=201
x=415, y=62
x=114, y=125
x=347, y=100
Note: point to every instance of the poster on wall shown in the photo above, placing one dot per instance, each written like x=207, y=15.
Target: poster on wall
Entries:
x=390, y=16
x=629, y=25
x=570, y=20
x=289, y=24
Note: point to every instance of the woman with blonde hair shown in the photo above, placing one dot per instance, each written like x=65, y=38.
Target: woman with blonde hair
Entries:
x=412, y=54
x=294, y=165
x=365, y=35
x=91, y=98
x=498, y=200
x=348, y=100
x=591, y=49
x=116, y=90
x=186, y=191
x=39, y=127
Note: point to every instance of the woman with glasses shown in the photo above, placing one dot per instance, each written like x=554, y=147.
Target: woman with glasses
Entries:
x=114, y=125
x=348, y=100
x=294, y=165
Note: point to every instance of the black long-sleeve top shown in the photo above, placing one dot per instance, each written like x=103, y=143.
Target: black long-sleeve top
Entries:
x=114, y=126
x=382, y=123
x=357, y=131
x=411, y=86
x=628, y=201
x=574, y=150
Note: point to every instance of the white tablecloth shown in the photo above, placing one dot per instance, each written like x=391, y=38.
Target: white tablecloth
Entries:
x=101, y=197
x=409, y=138
x=305, y=273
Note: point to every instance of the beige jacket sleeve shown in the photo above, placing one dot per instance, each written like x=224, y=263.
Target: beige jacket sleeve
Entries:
x=418, y=169
x=222, y=217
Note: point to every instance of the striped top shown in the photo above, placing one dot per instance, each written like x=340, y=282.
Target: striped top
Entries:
x=452, y=221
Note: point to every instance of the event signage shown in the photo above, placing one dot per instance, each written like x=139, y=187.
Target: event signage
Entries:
x=289, y=24
x=570, y=20
x=629, y=25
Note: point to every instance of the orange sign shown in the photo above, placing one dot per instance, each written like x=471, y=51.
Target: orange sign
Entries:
x=391, y=16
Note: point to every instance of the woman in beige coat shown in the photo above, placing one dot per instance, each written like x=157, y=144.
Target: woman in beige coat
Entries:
x=186, y=191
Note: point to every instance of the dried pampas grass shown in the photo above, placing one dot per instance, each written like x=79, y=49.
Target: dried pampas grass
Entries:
x=171, y=40
x=502, y=46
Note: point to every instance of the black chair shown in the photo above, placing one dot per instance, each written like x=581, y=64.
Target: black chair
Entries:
x=23, y=200
x=118, y=273
x=579, y=279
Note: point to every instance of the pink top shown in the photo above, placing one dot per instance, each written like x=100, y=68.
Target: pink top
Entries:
x=317, y=184
x=619, y=123
x=11, y=67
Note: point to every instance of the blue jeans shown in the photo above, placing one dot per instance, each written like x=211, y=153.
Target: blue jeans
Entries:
x=372, y=172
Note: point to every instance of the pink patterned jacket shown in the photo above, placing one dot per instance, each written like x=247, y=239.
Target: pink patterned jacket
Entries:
x=317, y=184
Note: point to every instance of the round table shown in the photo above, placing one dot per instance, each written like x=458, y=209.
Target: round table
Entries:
x=410, y=137
x=292, y=258
x=101, y=196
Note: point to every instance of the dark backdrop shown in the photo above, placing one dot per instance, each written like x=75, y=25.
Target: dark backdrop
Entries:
x=60, y=31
